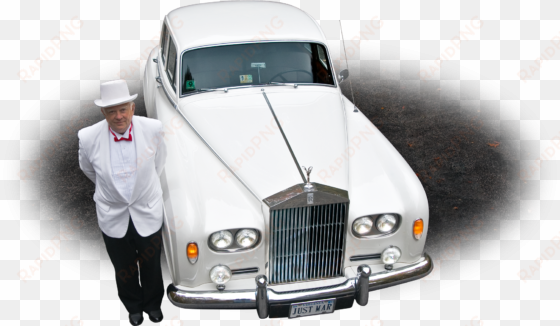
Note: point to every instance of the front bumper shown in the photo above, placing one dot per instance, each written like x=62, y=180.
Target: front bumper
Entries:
x=273, y=304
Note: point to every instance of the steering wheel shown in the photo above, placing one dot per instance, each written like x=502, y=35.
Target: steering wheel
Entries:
x=285, y=72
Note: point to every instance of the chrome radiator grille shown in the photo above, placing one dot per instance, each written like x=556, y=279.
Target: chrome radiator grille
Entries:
x=307, y=242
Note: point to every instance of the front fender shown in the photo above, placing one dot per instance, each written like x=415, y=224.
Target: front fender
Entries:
x=381, y=181
x=199, y=202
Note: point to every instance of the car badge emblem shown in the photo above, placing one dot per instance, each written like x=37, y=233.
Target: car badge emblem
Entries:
x=310, y=198
x=308, y=187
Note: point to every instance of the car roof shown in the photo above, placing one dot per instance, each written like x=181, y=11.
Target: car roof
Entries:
x=240, y=21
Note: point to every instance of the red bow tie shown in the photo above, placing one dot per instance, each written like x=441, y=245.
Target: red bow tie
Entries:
x=122, y=138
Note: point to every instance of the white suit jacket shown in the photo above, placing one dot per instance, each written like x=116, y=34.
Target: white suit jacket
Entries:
x=146, y=204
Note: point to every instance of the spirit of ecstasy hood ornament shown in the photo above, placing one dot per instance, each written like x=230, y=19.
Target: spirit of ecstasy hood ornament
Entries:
x=308, y=186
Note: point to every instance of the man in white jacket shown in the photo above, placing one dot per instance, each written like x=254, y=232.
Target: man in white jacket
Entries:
x=124, y=156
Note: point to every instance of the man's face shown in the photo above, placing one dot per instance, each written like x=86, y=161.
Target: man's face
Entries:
x=119, y=116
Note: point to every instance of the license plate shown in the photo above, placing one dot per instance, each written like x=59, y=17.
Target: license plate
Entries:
x=312, y=308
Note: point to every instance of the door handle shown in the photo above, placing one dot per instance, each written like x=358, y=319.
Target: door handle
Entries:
x=158, y=79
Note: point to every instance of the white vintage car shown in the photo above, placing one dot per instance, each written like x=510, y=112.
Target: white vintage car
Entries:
x=279, y=194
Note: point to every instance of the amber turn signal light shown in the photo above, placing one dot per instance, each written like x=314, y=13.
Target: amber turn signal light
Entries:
x=192, y=252
x=418, y=228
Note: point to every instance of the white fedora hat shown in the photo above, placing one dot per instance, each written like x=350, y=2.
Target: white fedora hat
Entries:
x=114, y=92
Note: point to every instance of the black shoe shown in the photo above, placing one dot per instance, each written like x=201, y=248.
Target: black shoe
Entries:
x=155, y=315
x=135, y=318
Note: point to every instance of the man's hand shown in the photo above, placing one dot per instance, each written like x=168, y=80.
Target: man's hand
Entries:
x=85, y=164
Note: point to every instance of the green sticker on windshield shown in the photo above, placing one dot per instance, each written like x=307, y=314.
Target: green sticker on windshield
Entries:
x=189, y=84
x=244, y=79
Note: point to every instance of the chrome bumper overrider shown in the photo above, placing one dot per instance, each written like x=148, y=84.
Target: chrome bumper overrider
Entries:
x=273, y=304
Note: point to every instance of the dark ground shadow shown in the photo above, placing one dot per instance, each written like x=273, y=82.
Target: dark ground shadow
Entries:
x=446, y=142
x=470, y=184
x=65, y=189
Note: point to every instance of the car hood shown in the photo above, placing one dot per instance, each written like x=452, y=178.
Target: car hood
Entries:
x=240, y=128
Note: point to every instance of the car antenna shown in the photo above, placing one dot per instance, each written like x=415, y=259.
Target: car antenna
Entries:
x=345, y=57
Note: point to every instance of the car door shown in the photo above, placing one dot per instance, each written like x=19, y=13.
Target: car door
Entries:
x=163, y=98
x=166, y=96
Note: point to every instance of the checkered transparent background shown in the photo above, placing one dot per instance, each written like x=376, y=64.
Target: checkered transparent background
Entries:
x=476, y=285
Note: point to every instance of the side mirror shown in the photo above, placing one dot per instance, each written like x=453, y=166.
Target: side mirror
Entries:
x=343, y=75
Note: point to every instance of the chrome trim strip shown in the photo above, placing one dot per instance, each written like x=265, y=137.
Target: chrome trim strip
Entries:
x=176, y=107
x=251, y=42
x=365, y=257
x=262, y=297
x=284, y=136
x=249, y=270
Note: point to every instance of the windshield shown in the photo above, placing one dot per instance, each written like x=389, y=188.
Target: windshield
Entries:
x=254, y=64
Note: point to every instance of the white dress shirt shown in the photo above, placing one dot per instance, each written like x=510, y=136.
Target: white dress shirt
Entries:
x=123, y=162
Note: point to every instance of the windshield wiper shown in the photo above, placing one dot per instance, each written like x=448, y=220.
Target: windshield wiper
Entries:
x=282, y=84
x=226, y=89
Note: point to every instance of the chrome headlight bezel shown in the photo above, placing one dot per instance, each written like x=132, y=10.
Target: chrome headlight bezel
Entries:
x=386, y=217
x=234, y=246
x=364, y=219
x=387, y=253
x=240, y=233
x=224, y=269
x=225, y=232
x=374, y=232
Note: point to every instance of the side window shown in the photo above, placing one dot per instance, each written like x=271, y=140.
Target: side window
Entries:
x=172, y=63
x=164, y=44
x=322, y=56
x=321, y=65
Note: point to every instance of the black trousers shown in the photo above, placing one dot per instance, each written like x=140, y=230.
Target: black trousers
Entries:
x=126, y=254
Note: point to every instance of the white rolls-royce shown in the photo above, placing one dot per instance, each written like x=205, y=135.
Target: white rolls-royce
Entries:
x=279, y=194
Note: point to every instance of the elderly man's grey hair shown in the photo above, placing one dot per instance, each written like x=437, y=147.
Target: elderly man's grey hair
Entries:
x=129, y=106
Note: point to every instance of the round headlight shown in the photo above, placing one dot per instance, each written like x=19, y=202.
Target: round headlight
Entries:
x=221, y=239
x=362, y=225
x=246, y=237
x=220, y=274
x=386, y=222
x=391, y=255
